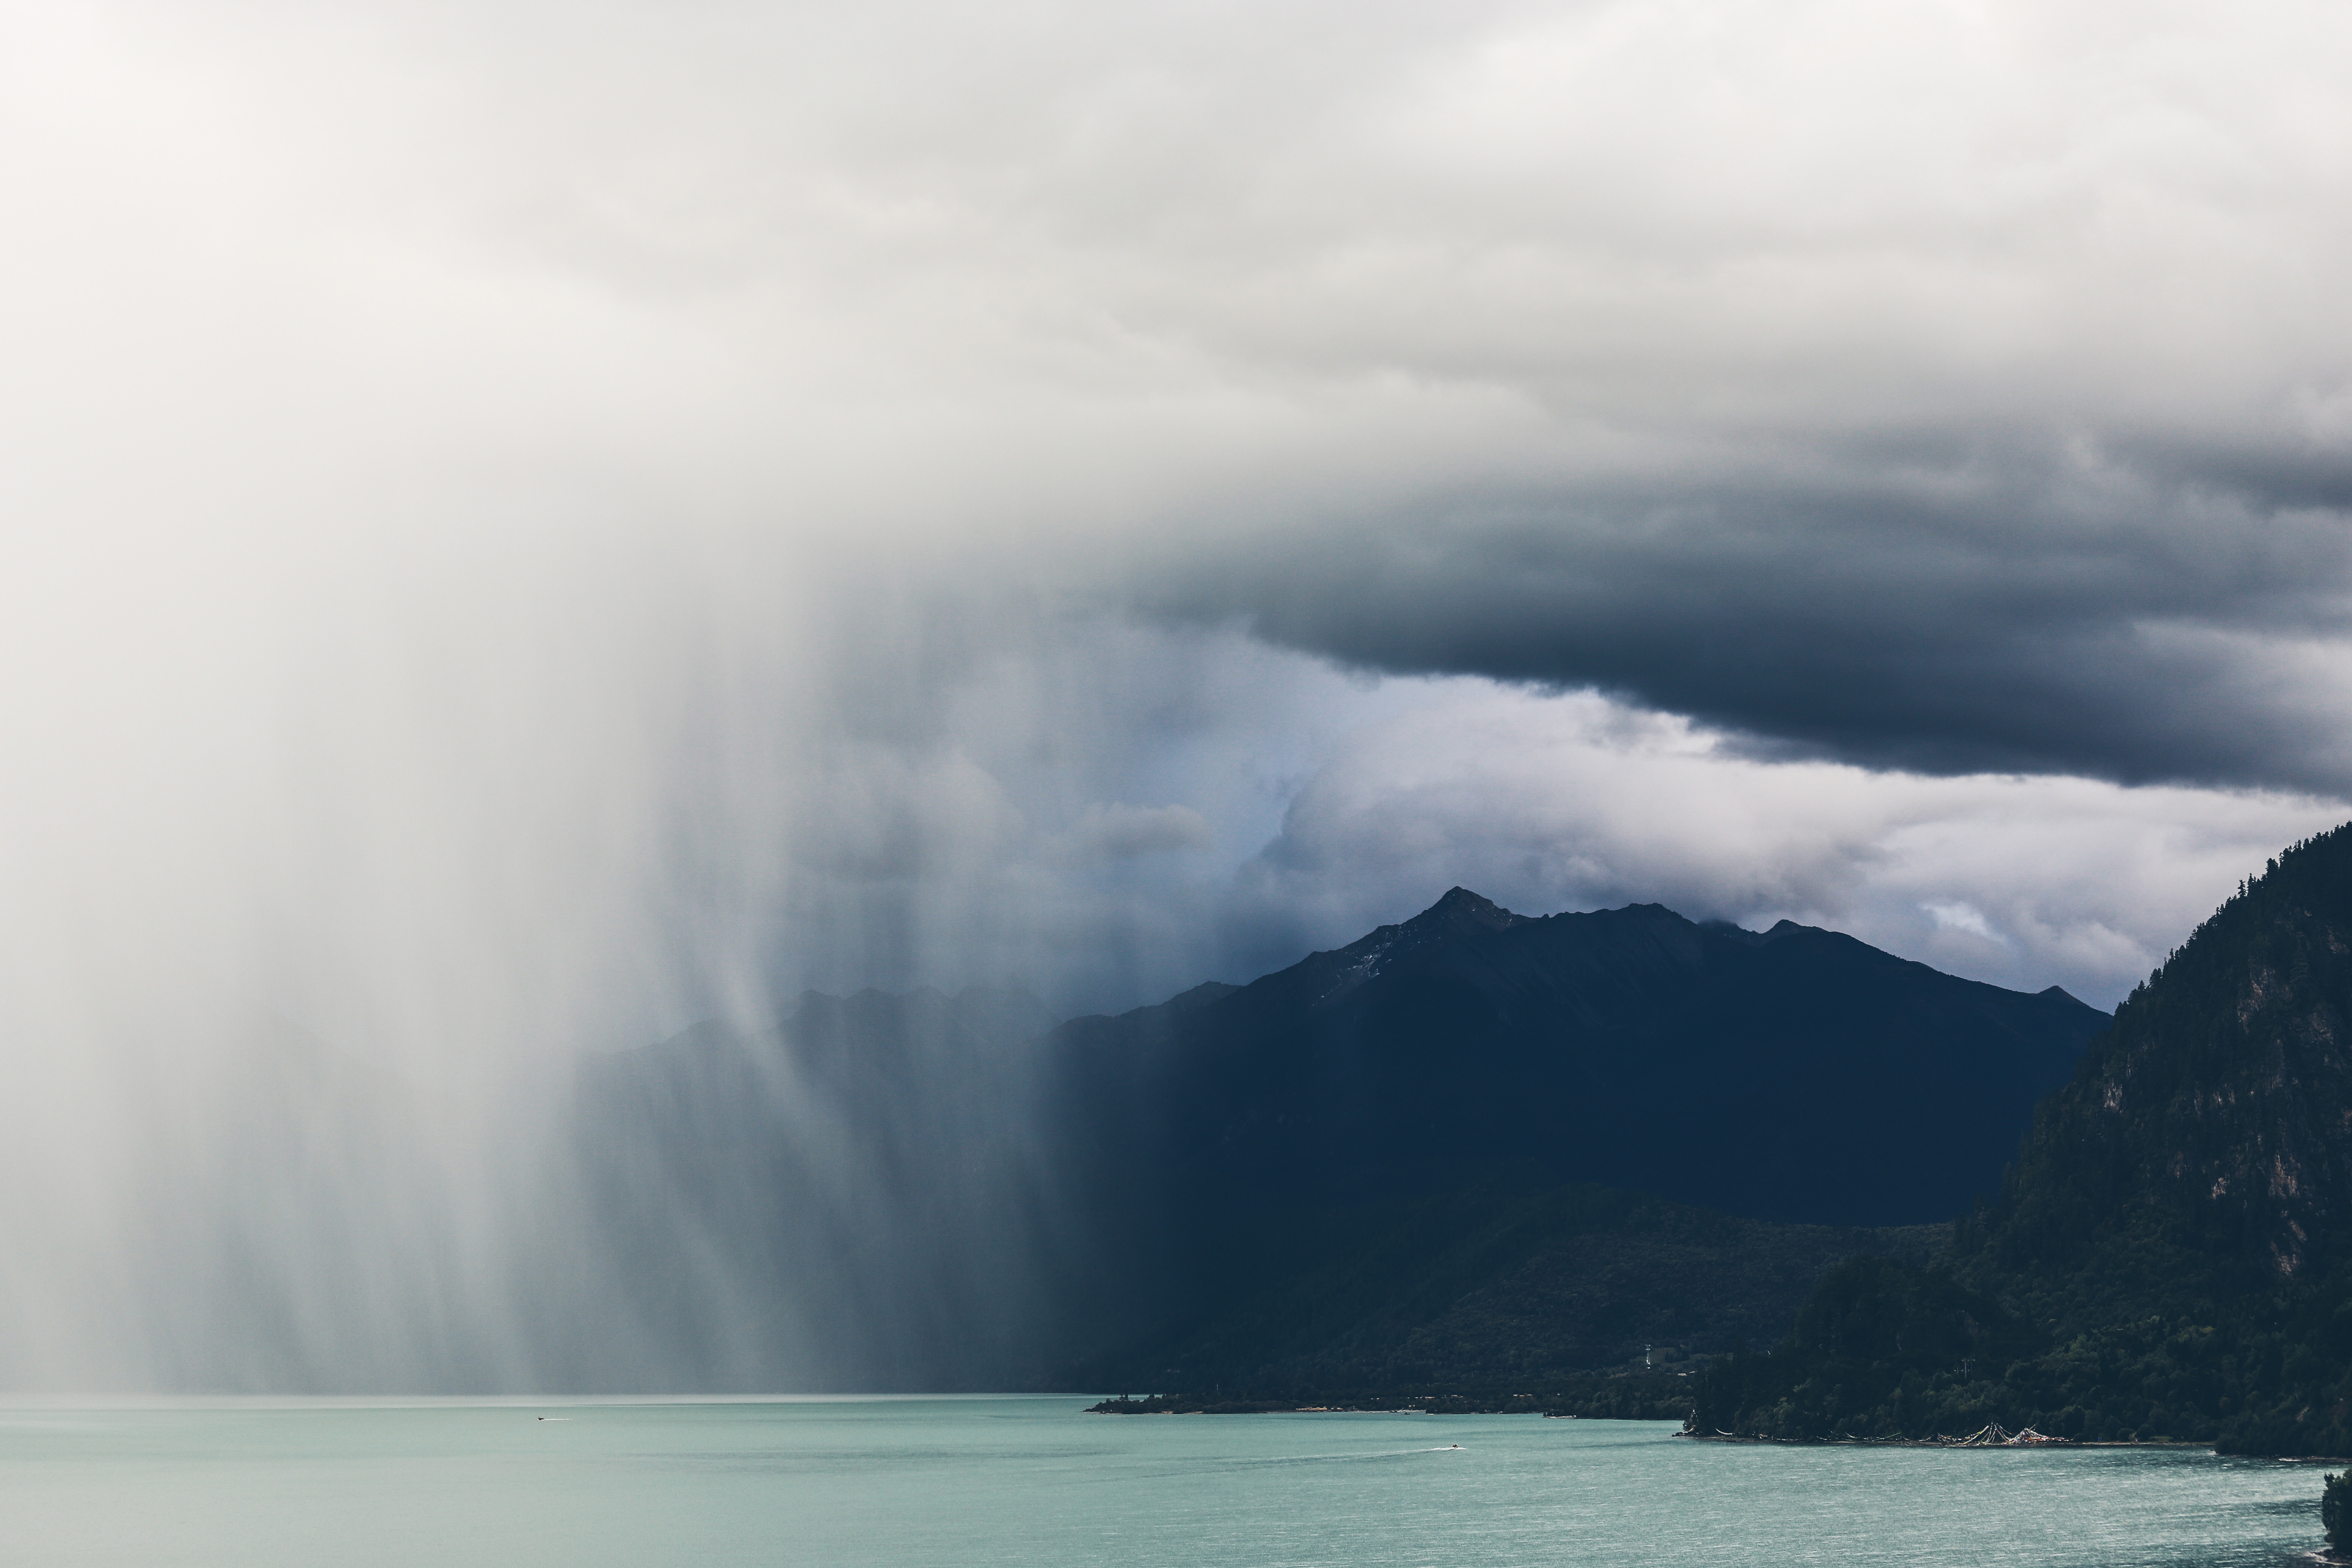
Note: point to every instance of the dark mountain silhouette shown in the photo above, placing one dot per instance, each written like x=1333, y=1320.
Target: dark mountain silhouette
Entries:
x=2176, y=1237
x=1473, y=1072
x=1509, y=1283
x=1793, y=1075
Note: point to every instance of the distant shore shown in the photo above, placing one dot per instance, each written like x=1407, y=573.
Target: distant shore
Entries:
x=1531, y=1405
x=1388, y=1405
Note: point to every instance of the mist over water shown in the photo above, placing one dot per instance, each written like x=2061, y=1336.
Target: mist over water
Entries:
x=529, y=536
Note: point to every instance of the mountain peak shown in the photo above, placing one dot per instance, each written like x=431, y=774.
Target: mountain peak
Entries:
x=1461, y=906
x=1459, y=913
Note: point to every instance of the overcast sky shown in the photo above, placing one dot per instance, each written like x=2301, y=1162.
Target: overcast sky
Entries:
x=527, y=524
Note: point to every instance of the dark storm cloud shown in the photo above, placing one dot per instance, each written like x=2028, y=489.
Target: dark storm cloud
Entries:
x=2168, y=620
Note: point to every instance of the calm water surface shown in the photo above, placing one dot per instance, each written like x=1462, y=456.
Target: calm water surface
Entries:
x=1034, y=1481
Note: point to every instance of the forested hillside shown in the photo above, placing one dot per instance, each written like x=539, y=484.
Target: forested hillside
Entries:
x=2171, y=1255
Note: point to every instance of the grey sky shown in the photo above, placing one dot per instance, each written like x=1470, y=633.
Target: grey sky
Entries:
x=788, y=495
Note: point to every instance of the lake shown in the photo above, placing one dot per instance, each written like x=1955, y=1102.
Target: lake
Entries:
x=1034, y=1481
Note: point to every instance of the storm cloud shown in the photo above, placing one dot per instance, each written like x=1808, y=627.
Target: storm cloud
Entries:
x=2138, y=635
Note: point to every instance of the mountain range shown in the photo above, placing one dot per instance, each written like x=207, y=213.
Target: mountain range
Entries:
x=1794, y=1074
x=1473, y=1147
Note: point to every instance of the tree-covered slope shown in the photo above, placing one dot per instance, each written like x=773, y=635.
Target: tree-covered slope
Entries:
x=1508, y=1283
x=2203, y=1149
x=2174, y=1239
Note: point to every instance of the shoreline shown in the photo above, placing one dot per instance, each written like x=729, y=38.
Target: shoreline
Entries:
x=2205, y=1444
x=1163, y=1405
x=1615, y=1397
x=1956, y=1443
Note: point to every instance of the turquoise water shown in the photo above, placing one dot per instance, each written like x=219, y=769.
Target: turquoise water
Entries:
x=1036, y=1481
